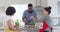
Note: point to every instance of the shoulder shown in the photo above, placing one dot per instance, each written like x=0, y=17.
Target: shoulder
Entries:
x=9, y=17
x=25, y=11
x=34, y=11
x=49, y=18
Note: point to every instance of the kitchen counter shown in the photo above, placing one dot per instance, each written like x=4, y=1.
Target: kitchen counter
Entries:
x=30, y=30
x=55, y=29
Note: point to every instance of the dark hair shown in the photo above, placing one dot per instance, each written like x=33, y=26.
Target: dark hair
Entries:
x=48, y=9
x=10, y=11
x=30, y=5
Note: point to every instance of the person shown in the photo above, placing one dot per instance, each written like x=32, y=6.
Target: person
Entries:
x=10, y=24
x=47, y=23
x=29, y=15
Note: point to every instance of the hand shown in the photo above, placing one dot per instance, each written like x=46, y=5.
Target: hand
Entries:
x=32, y=17
x=25, y=23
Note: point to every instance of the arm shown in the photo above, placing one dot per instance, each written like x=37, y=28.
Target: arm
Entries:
x=10, y=26
x=24, y=17
x=34, y=17
x=24, y=20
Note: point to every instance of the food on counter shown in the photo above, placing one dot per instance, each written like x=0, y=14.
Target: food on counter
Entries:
x=17, y=24
x=32, y=24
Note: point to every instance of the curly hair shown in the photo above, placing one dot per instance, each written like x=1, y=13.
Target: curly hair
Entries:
x=10, y=11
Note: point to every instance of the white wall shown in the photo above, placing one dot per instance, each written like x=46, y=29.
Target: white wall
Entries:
x=10, y=2
x=5, y=3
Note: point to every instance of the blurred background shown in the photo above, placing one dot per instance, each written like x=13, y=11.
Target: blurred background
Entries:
x=21, y=5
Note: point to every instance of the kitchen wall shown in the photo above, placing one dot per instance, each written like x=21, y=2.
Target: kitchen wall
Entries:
x=10, y=2
x=6, y=3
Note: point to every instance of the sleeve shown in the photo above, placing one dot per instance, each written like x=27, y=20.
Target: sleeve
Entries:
x=8, y=18
x=24, y=15
x=42, y=18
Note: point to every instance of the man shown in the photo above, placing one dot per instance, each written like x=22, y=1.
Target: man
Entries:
x=29, y=15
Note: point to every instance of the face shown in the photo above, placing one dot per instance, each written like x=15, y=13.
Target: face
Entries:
x=30, y=8
x=45, y=12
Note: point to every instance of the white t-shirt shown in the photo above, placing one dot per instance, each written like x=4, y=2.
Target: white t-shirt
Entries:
x=8, y=18
x=21, y=23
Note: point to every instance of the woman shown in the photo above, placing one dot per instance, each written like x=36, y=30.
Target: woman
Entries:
x=47, y=23
x=9, y=24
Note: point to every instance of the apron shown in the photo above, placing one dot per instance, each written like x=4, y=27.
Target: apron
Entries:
x=45, y=26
